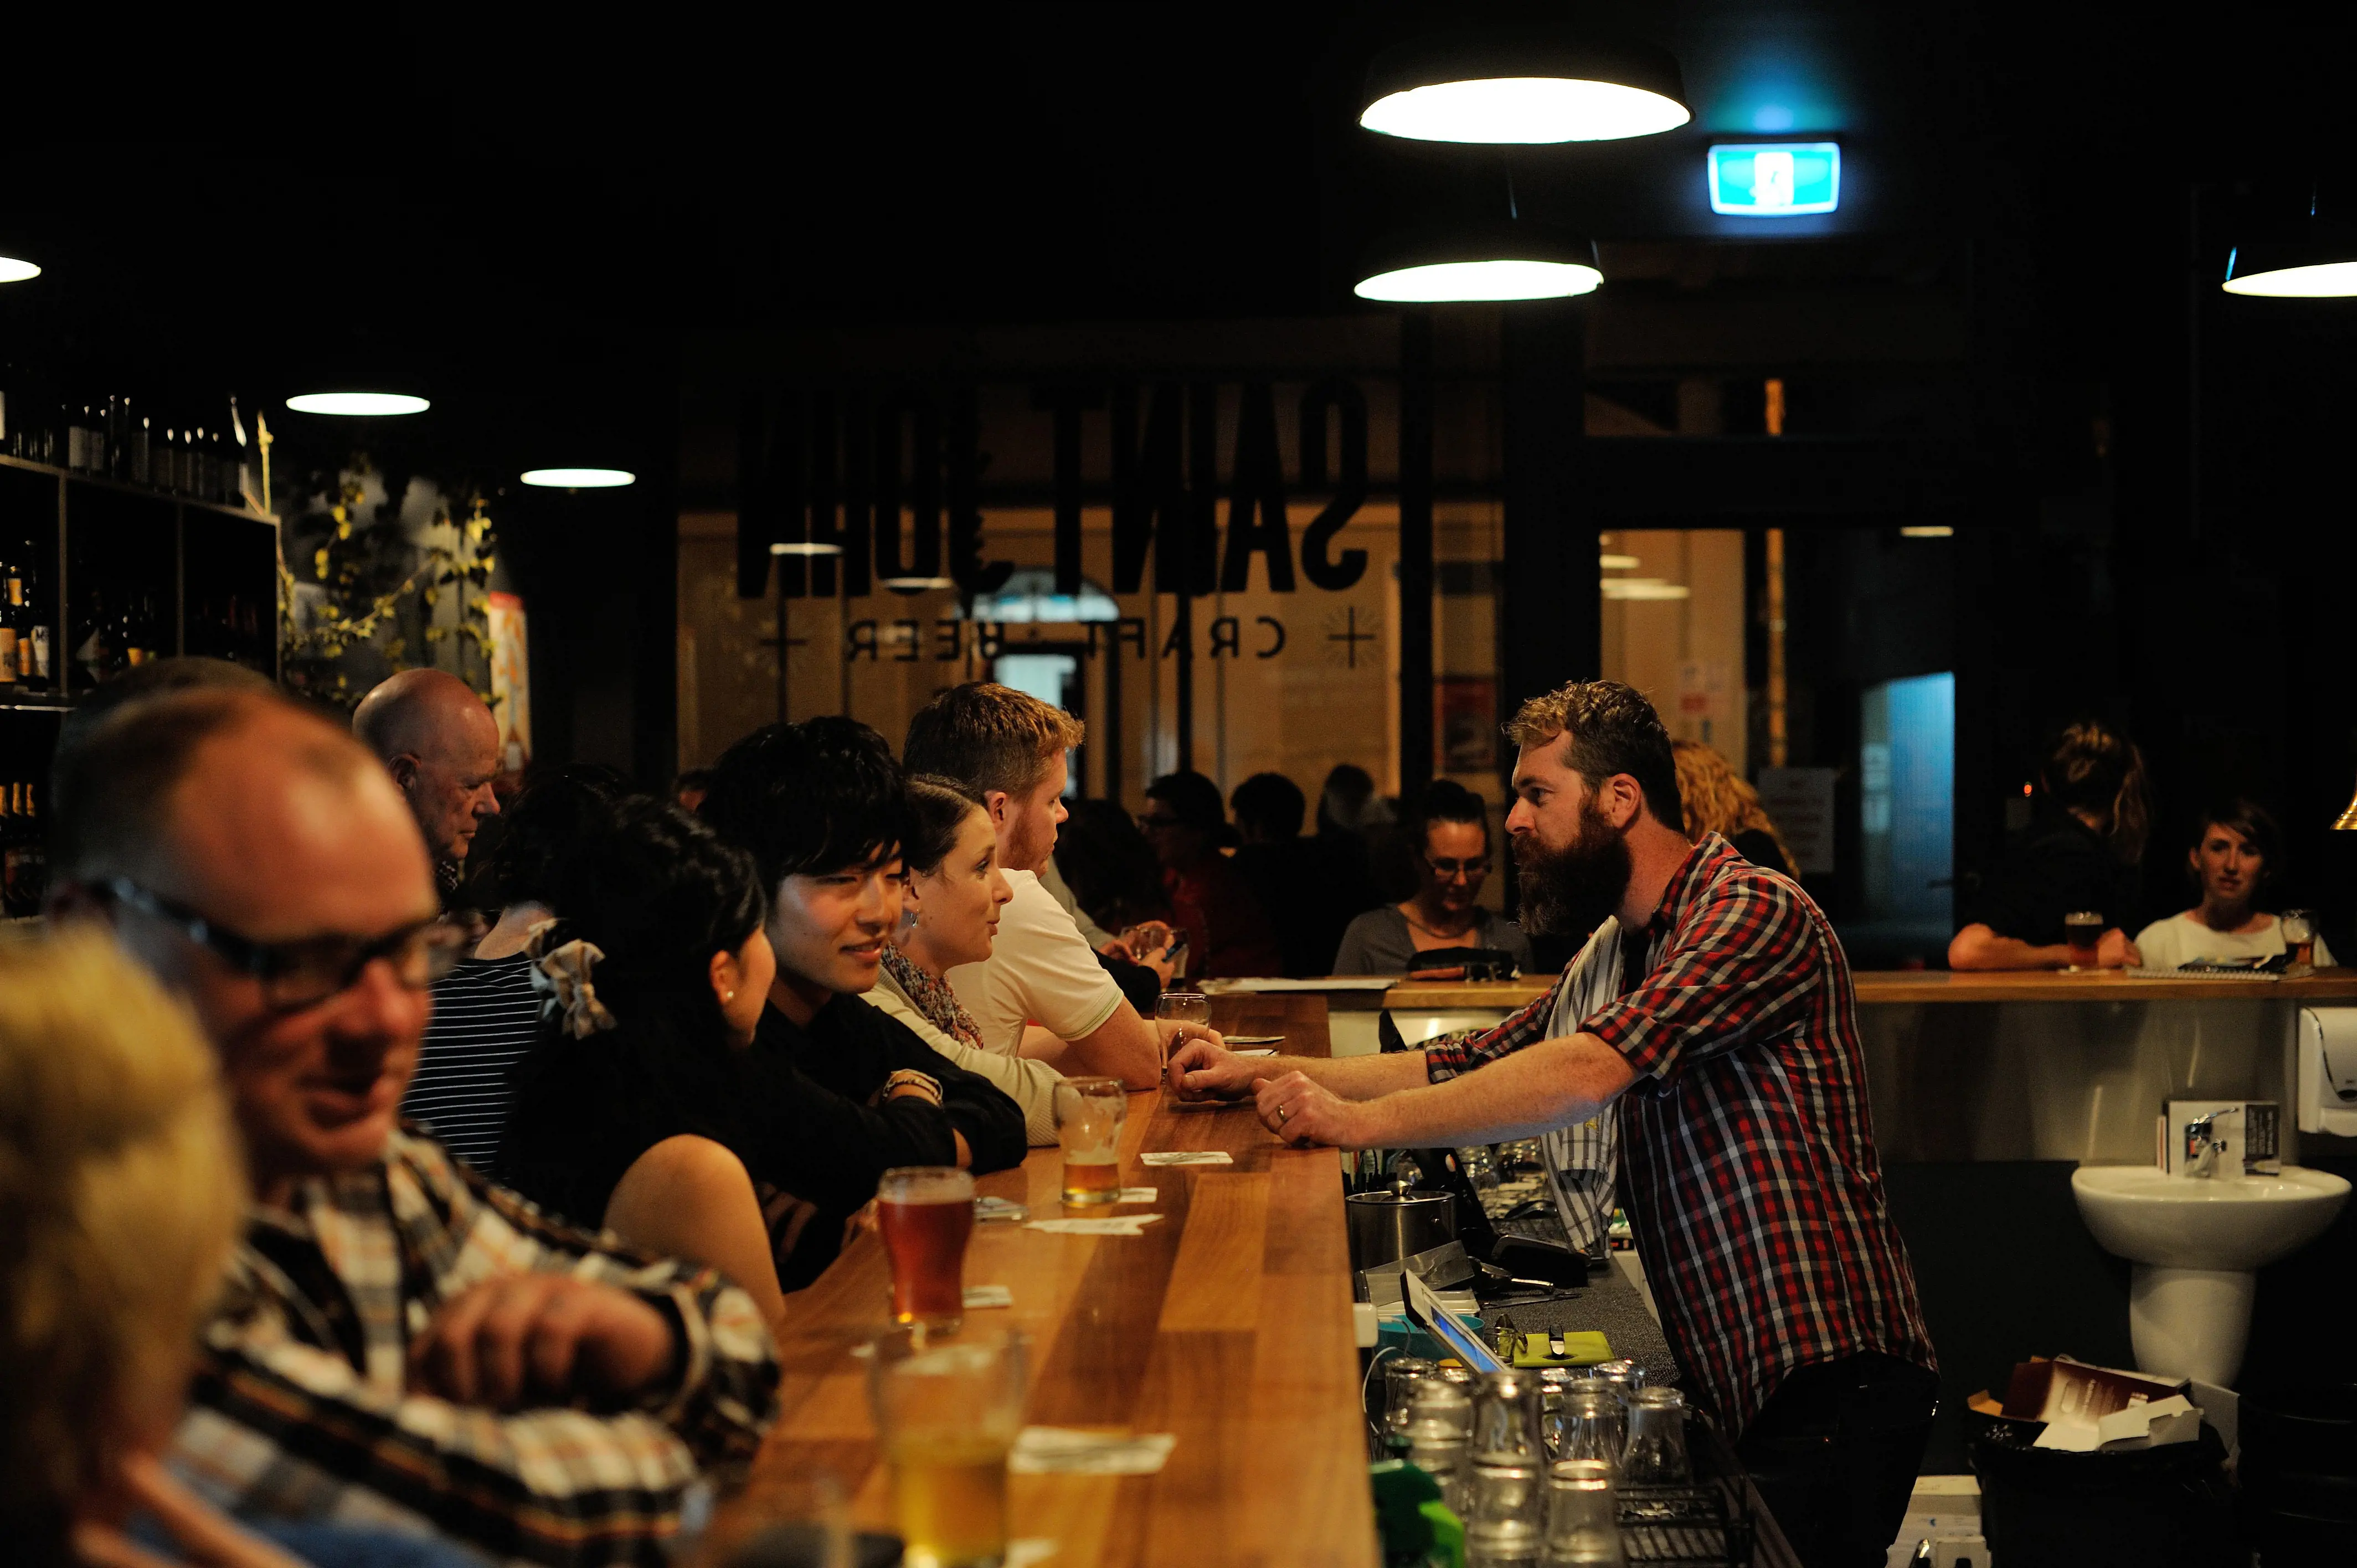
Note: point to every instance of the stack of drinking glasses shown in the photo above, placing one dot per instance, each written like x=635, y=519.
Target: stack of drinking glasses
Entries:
x=1439, y=1424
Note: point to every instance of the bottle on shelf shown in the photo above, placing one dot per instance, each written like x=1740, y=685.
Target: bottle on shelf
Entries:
x=22, y=602
x=134, y=456
x=24, y=870
x=11, y=586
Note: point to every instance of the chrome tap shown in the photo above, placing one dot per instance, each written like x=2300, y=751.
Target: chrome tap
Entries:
x=2203, y=1145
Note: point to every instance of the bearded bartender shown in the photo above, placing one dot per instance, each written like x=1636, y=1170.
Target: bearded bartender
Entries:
x=1711, y=1014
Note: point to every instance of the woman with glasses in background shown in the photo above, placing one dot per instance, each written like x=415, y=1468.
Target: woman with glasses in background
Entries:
x=1450, y=835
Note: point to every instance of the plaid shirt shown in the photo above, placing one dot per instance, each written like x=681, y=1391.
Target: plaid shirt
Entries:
x=300, y=1407
x=1746, y=1164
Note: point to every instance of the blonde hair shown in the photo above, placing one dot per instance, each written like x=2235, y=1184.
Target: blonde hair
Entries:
x=121, y=1183
x=1718, y=799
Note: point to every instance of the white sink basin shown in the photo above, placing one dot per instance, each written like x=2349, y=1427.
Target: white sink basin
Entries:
x=2147, y=1216
x=2197, y=1245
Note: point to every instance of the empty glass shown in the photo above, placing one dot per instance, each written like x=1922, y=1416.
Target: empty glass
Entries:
x=1439, y=1419
x=1583, y=1522
x=1403, y=1375
x=1503, y=1531
x=1506, y=1417
x=1594, y=1424
x=1656, y=1453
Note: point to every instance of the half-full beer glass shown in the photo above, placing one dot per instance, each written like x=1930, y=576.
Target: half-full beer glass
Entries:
x=926, y=1215
x=946, y=1414
x=2083, y=930
x=1089, y=1115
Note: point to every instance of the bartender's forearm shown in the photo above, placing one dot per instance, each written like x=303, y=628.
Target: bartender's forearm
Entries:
x=1548, y=1085
x=1978, y=947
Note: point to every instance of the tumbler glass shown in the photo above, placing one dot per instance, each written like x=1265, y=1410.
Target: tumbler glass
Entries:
x=1583, y=1522
x=1656, y=1453
x=1089, y=1115
x=2083, y=930
x=1593, y=1425
x=947, y=1412
x=2299, y=940
x=1182, y=1007
x=925, y=1216
x=1506, y=1417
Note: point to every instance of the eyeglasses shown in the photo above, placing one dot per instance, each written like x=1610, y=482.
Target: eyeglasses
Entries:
x=1468, y=869
x=308, y=972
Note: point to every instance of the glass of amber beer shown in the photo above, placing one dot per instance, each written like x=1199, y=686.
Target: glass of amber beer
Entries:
x=2082, y=933
x=926, y=1215
x=1089, y=1115
x=947, y=1410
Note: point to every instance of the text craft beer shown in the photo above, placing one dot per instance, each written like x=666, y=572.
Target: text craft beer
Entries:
x=926, y=1216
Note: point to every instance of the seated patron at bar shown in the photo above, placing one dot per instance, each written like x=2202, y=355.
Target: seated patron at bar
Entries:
x=1042, y=992
x=1227, y=932
x=2236, y=859
x=822, y=808
x=955, y=893
x=370, y=1356
x=487, y=1010
x=120, y=1193
x=1718, y=800
x=643, y=1110
x=1450, y=828
x=2079, y=855
x=1311, y=890
x=1712, y=1010
x=442, y=746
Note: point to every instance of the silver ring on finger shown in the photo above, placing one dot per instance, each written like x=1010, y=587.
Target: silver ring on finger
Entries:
x=1282, y=1115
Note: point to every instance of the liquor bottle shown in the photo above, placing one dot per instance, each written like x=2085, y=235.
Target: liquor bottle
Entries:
x=134, y=457
x=93, y=438
x=24, y=869
x=32, y=637
x=10, y=622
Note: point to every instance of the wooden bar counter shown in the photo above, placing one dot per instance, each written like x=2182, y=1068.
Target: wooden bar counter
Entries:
x=1227, y=1324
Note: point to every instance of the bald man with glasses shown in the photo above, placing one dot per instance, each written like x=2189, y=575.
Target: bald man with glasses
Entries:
x=399, y=1341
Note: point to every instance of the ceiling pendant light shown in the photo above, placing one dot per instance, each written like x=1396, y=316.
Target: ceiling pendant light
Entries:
x=1495, y=262
x=358, y=404
x=579, y=479
x=2318, y=261
x=13, y=270
x=1528, y=84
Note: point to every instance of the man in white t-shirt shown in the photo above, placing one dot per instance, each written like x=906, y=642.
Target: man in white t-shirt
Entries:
x=1042, y=992
x=2239, y=852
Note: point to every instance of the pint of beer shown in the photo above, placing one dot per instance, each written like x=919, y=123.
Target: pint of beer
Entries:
x=947, y=1412
x=2083, y=930
x=1089, y=1115
x=926, y=1215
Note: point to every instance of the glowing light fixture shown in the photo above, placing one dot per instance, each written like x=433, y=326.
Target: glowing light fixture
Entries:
x=358, y=404
x=1619, y=563
x=579, y=479
x=805, y=547
x=1790, y=179
x=918, y=584
x=2314, y=260
x=1927, y=531
x=15, y=271
x=1506, y=261
x=1644, y=588
x=1523, y=85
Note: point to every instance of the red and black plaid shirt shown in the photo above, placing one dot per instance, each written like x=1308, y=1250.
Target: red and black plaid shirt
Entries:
x=1746, y=1161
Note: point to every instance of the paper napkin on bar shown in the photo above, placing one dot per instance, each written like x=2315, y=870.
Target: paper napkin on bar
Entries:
x=1061, y=1451
x=1188, y=1157
x=978, y=1297
x=1137, y=1195
x=1110, y=1225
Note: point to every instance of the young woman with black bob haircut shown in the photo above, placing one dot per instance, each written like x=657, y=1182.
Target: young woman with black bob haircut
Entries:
x=822, y=808
x=949, y=917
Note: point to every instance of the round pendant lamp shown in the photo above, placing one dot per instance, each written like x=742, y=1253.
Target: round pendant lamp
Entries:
x=1492, y=261
x=2314, y=261
x=1524, y=85
x=358, y=404
x=579, y=479
x=15, y=269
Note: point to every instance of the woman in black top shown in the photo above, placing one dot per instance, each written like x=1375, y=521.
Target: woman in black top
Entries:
x=2080, y=852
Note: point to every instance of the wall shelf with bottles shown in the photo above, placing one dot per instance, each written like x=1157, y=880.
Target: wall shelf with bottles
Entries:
x=112, y=573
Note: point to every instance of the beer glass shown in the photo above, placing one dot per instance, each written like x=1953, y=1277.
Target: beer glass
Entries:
x=1656, y=1453
x=1089, y=1115
x=947, y=1412
x=1182, y=1007
x=926, y=1215
x=2082, y=929
x=1583, y=1525
x=2299, y=938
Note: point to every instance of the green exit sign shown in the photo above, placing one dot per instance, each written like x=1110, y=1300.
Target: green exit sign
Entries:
x=1775, y=179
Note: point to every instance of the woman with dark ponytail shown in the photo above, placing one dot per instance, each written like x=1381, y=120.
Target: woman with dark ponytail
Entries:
x=631, y=1114
x=2082, y=851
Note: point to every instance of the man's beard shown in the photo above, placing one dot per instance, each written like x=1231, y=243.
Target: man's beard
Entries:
x=1569, y=891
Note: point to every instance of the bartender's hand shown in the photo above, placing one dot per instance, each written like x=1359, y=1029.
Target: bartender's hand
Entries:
x=1305, y=1115
x=1204, y=1069
x=2115, y=952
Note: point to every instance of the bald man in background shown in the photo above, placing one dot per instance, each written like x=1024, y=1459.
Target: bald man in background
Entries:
x=442, y=746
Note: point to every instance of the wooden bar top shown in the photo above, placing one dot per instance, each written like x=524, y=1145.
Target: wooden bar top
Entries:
x=1885, y=986
x=1228, y=1323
